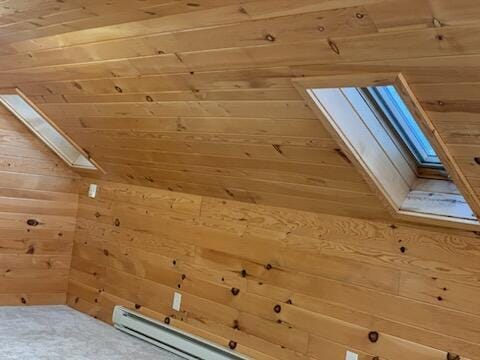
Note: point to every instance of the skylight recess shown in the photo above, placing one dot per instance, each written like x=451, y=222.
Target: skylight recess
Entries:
x=382, y=128
x=46, y=131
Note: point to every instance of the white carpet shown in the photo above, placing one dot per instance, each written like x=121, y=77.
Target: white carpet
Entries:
x=61, y=333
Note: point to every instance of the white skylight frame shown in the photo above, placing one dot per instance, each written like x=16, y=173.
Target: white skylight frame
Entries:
x=387, y=167
x=24, y=110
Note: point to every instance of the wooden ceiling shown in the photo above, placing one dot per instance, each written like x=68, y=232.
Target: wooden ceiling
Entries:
x=196, y=96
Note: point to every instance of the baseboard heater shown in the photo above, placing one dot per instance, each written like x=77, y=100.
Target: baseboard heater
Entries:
x=174, y=340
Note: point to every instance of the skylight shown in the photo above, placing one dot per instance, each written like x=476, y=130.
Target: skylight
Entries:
x=378, y=123
x=391, y=105
x=60, y=144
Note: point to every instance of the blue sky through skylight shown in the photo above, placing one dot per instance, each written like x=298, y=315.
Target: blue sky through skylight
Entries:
x=391, y=103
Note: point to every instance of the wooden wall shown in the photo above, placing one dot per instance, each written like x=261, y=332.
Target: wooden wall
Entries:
x=333, y=280
x=196, y=97
x=34, y=185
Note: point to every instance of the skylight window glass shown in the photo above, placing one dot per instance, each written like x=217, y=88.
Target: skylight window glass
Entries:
x=46, y=132
x=391, y=105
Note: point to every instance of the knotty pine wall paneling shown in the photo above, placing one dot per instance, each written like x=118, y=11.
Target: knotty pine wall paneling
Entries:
x=282, y=284
x=197, y=96
x=38, y=208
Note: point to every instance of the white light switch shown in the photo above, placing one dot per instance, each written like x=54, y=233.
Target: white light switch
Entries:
x=351, y=356
x=92, y=191
x=177, y=301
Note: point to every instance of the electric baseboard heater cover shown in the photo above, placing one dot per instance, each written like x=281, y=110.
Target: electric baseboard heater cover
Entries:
x=179, y=342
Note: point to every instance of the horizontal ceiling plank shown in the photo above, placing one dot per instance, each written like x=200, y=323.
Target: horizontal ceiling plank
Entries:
x=237, y=79
x=278, y=109
x=110, y=146
x=182, y=95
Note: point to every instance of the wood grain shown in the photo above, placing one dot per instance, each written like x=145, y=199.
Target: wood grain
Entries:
x=334, y=278
x=34, y=184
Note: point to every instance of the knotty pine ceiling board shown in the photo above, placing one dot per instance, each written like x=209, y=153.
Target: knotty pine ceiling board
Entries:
x=197, y=96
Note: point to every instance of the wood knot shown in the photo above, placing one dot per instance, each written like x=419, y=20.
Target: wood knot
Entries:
x=166, y=320
x=452, y=356
x=268, y=267
x=105, y=252
x=373, y=336
x=235, y=291
x=138, y=306
x=477, y=159
x=334, y=47
x=118, y=89
x=117, y=222
x=149, y=98
x=403, y=249
x=270, y=37
x=359, y=15
x=244, y=273
x=23, y=300
x=232, y=344
x=32, y=222
x=277, y=308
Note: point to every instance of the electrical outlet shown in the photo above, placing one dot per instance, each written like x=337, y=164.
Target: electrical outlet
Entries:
x=351, y=356
x=177, y=301
x=92, y=191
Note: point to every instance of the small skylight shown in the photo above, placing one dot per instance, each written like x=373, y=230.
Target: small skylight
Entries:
x=387, y=100
x=61, y=145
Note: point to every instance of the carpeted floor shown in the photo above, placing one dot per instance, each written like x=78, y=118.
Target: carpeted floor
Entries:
x=61, y=333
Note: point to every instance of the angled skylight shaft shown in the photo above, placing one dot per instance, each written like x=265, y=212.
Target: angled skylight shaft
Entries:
x=46, y=132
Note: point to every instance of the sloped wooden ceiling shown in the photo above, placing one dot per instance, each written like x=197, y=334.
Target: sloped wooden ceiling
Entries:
x=196, y=96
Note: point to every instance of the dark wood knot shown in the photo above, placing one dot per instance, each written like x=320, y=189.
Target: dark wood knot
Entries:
x=232, y=344
x=166, y=320
x=270, y=37
x=244, y=273
x=477, y=159
x=277, y=308
x=235, y=291
x=452, y=356
x=268, y=267
x=32, y=222
x=373, y=336
x=117, y=222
